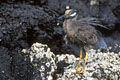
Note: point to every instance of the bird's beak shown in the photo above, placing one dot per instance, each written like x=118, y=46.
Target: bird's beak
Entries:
x=63, y=16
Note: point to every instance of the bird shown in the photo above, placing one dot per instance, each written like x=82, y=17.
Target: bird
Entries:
x=82, y=35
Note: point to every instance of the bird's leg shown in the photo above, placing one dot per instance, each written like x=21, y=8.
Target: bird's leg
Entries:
x=76, y=68
x=82, y=70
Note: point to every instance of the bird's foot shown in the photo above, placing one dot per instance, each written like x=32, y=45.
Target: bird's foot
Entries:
x=79, y=71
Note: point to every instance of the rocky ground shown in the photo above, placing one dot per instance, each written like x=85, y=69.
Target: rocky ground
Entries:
x=48, y=66
x=25, y=22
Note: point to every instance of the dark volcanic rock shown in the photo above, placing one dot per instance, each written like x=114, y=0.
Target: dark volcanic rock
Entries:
x=24, y=22
x=5, y=62
x=21, y=68
x=16, y=19
x=43, y=61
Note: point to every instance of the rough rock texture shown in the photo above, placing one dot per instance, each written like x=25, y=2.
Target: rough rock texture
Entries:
x=43, y=61
x=100, y=66
x=21, y=68
x=17, y=20
x=5, y=72
x=46, y=65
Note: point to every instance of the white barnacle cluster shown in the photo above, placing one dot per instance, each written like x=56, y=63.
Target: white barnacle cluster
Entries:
x=42, y=59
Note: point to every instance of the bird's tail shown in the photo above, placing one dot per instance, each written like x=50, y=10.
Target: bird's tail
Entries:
x=101, y=44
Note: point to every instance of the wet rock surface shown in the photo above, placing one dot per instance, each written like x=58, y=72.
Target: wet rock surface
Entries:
x=25, y=22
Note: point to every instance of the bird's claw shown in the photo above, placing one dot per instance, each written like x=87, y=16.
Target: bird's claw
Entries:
x=79, y=71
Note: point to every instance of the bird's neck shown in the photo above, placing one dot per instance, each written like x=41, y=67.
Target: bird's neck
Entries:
x=68, y=22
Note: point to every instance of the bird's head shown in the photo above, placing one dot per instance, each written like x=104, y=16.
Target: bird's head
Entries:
x=69, y=14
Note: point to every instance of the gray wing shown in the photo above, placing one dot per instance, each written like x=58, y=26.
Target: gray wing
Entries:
x=93, y=21
x=86, y=34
